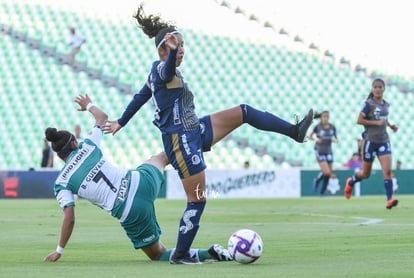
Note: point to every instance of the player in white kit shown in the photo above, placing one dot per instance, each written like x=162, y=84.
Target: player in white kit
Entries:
x=127, y=195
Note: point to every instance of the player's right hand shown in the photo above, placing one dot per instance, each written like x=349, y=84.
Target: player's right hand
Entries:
x=111, y=127
x=52, y=257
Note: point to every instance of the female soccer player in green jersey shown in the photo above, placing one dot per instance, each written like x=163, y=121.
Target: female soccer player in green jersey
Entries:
x=127, y=195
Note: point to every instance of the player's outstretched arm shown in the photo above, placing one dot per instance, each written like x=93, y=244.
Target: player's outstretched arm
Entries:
x=65, y=233
x=86, y=104
x=134, y=105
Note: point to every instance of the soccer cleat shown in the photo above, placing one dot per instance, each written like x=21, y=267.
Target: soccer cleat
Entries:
x=219, y=253
x=301, y=128
x=391, y=203
x=348, y=189
x=186, y=259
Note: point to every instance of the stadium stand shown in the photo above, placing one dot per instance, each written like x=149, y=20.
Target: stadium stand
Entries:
x=39, y=88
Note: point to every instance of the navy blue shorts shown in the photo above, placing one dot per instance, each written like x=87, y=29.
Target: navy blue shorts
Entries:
x=328, y=157
x=370, y=150
x=185, y=148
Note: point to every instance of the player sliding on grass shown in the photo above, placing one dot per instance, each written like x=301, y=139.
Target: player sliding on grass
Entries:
x=186, y=136
x=374, y=116
x=128, y=195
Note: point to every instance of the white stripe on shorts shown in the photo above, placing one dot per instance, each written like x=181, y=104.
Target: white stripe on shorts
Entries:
x=133, y=188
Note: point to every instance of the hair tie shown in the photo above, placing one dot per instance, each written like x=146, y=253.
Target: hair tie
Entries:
x=163, y=40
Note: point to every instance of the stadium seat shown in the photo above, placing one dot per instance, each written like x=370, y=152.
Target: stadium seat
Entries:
x=270, y=77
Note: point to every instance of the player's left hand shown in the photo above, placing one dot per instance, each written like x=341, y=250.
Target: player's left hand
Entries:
x=83, y=101
x=171, y=41
x=52, y=257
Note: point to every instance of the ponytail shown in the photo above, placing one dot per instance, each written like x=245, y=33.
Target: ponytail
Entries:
x=153, y=26
x=61, y=141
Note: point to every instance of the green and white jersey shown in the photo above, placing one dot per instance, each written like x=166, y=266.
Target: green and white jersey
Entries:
x=88, y=174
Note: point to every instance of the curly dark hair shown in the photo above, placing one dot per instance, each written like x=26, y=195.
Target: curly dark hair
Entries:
x=153, y=25
x=60, y=141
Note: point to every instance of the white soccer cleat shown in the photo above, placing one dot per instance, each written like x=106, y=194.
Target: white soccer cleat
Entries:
x=220, y=253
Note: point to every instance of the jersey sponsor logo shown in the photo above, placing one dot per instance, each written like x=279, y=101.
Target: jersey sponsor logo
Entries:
x=148, y=239
x=379, y=114
x=176, y=113
x=81, y=154
x=188, y=225
x=123, y=190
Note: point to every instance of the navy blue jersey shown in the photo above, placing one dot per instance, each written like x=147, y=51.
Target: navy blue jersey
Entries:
x=376, y=111
x=173, y=100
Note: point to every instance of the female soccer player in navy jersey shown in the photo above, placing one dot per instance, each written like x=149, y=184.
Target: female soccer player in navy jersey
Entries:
x=374, y=117
x=324, y=134
x=127, y=195
x=186, y=136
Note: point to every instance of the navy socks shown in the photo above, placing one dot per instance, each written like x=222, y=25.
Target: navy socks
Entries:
x=354, y=180
x=325, y=184
x=265, y=120
x=189, y=224
x=388, y=188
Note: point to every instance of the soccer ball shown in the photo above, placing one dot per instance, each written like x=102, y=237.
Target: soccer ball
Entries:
x=245, y=245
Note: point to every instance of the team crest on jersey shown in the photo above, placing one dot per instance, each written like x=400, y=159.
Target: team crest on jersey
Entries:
x=377, y=113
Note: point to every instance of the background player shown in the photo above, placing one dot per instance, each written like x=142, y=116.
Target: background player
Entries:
x=185, y=136
x=374, y=117
x=324, y=134
x=127, y=195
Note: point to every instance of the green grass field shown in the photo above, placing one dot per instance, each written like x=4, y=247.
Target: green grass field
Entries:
x=308, y=237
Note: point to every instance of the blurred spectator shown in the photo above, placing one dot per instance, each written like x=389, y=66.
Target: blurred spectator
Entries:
x=246, y=164
x=76, y=41
x=398, y=165
x=355, y=162
x=78, y=132
x=47, y=155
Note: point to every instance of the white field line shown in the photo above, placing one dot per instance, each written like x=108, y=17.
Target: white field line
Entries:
x=361, y=220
